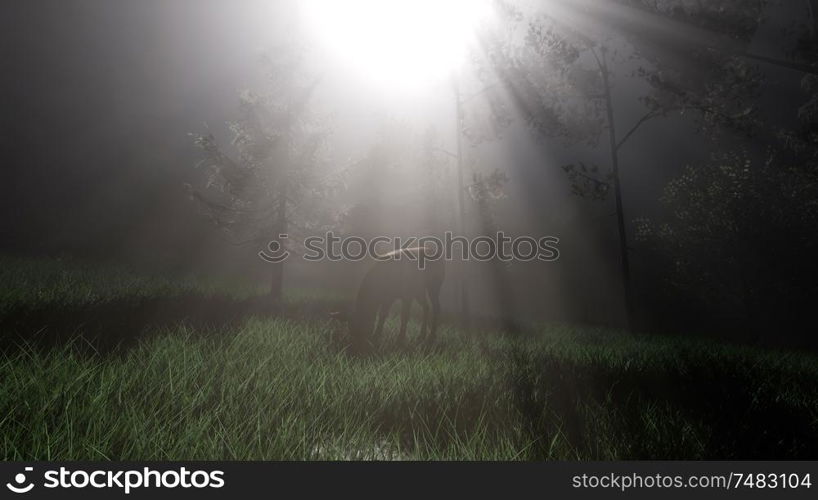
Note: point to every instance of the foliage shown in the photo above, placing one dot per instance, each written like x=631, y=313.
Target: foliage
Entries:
x=736, y=19
x=270, y=170
x=740, y=236
x=558, y=71
x=740, y=233
x=548, y=80
x=488, y=186
x=586, y=181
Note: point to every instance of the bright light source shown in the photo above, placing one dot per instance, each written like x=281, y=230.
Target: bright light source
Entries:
x=403, y=43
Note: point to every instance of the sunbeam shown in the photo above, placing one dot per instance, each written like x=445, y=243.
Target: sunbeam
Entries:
x=397, y=43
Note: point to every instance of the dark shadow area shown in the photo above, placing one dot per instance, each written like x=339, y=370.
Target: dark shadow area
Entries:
x=694, y=408
x=116, y=325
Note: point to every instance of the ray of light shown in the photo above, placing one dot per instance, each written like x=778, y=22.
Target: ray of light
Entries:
x=398, y=43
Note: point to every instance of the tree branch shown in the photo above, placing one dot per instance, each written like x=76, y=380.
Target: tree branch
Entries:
x=647, y=116
x=591, y=178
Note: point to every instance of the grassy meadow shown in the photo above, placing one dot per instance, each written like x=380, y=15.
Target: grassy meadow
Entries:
x=104, y=363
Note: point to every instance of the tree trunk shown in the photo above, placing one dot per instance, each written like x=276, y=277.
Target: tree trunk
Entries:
x=460, y=279
x=620, y=216
x=277, y=283
x=500, y=284
x=280, y=234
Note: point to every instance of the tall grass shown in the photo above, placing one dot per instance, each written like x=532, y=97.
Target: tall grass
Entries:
x=278, y=387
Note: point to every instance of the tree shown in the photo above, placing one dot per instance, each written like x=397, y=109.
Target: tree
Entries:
x=560, y=75
x=740, y=231
x=254, y=191
x=480, y=116
x=740, y=239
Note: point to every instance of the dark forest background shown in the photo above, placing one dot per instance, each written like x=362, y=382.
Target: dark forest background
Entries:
x=719, y=183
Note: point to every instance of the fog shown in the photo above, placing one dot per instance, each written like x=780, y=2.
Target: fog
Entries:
x=99, y=98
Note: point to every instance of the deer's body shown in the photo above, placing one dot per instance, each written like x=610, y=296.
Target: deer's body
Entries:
x=397, y=279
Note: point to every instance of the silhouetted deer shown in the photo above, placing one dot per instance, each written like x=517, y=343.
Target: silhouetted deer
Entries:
x=398, y=278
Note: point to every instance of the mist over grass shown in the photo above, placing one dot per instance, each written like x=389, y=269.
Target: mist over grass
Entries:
x=31, y=281
x=283, y=386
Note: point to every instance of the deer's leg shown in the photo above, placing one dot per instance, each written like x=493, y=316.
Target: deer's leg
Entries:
x=406, y=308
x=383, y=312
